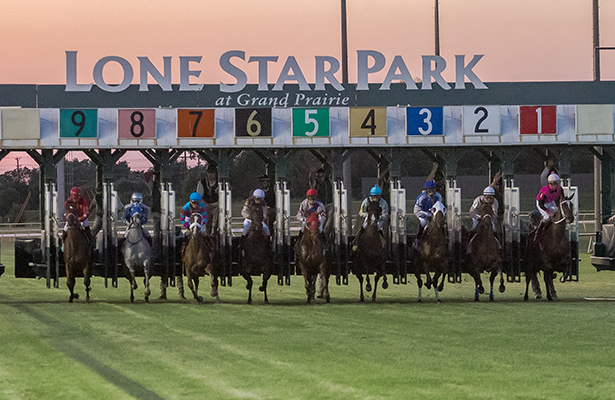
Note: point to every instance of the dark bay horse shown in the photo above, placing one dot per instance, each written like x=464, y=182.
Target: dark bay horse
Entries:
x=484, y=254
x=77, y=256
x=137, y=255
x=310, y=257
x=370, y=255
x=255, y=257
x=198, y=259
x=549, y=250
x=433, y=252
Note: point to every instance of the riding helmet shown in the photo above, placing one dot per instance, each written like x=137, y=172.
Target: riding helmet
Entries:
x=259, y=194
x=136, y=197
x=76, y=191
x=195, y=196
x=375, y=191
x=489, y=191
x=430, y=184
x=311, y=192
x=553, y=177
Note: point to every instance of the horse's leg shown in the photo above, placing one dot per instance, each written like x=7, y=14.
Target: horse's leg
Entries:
x=492, y=276
x=368, y=285
x=528, y=278
x=307, y=284
x=536, y=287
x=419, y=283
x=263, y=287
x=324, y=280
x=478, y=284
x=87, y=273
x=360, y=278
x=442, y=279
x=551, y=294
x=195, y=278
x=214, y=283
x=146, y=272
x=70, y=282
x=250, y=282
x=436, y=278
x=502, y=287
x=376, y=279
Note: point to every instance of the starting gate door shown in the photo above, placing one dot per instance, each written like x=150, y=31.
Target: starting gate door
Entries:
x=225, y=232
x=453, y=221
x=512, y=232
x=282, y=232
x=398, y=232
x=573, y=232
x=167, y=230
x=50, y=235
x=109, y=252
x=340, y=229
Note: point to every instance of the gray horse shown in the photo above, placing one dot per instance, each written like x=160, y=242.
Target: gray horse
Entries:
x=137, y=255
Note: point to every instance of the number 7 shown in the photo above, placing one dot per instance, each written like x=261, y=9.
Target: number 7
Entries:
x=198, y=114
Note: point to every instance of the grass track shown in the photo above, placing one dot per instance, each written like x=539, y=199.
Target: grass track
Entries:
x=395, y=349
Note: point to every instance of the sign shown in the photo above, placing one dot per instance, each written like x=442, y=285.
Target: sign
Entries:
x=538, y=120
x=595, y=119
x=311, y=122
x=253, y=122
x=368, y=122
x=20, y=124
x=136, y=124
x=481, y=120
x=196, y=123
x=78, y=123
x=424, y=121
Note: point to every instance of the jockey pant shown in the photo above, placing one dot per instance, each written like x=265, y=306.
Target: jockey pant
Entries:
x=379, y=224
x=552, y=207
x=85, y=224
x=320, y=227
x=475, y=223
x=247, y=223
x=424, y=222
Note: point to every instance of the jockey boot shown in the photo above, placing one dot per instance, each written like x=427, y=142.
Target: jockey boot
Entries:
x=355, y=242
x=541, y=227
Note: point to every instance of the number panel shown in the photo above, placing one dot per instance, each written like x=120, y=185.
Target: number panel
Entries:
x=425, y=121
x=73, y=125
x=368, y=121
x=481, y=120
x=311, y=122
x=535, y=120
x=136, y=124
x=199, y=123
x=253, y=122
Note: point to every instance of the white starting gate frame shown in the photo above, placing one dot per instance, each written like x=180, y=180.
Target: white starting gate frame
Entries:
x=167, y=230
x=512, y=231
x=398, y=231
x=50, y=235
x=573, y=231
x=109, y=252
x=225, y=232
x=282, y=244
x=453, y=221
x=340, y=232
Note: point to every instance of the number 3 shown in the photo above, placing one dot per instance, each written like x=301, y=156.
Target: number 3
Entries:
x=426, y=120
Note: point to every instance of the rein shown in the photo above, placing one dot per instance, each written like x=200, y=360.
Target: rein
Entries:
x=562, y=211
x=132, y=227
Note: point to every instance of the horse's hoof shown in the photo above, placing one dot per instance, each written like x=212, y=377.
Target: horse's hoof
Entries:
x=181, y=297
x=147, y=292
x=147, y=299
x=419, y=301
x=538, y=296
x=362, y=299
x=502, y=288
x=428, y=285
x=70, y=299
x=87, y=299
x=320, y=296
x=162, y=297
x=481, y=290
x=261, y=288
x=491, y=299
x=476, y=298
x=199, y=299
x=373, y=299
x=132, y=299
x=249, y=301
x=439, y=301
x=328, y=299
x=368, y=287
x=135, y=286
x=385, y=285
x=76, y=296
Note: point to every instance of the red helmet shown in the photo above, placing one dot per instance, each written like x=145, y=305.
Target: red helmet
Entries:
x=76, y=191
x=311, y=192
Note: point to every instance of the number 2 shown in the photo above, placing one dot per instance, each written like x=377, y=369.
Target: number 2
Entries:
x=477, y=128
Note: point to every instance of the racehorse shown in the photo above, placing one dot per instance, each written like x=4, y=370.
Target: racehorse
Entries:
x=433, y=252
x=484, y=254
x=370, y=254
x=549, y=249
x=310, y=257
x=197, y=259
x=255, y=256
x=77, y=256
x=137, y=255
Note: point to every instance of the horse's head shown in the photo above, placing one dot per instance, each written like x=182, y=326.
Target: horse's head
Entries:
x=567, y=209
x=312, y=222
x=71, y=220
x=438, y=212
x=196, y=222
x=373, y=212
x=136, y=217
x=486, y=222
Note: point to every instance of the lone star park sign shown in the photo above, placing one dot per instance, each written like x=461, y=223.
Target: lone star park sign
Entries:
x=368, y=62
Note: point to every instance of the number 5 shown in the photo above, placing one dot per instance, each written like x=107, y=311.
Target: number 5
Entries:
x=310, y=120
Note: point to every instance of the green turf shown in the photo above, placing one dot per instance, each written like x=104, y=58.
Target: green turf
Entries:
x=394, y=349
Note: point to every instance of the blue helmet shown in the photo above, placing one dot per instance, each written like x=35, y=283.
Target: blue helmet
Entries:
x=430, y=184
x=375, y=191
x=195, y=196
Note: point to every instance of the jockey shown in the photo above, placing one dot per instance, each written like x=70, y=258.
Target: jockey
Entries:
x=375, y=194
x=136, y=205
x=424, y=203
x=312, y=205
x=258, y=197
x=78, y=206
x=548, y=199
x=489, y=199
x=195, y=205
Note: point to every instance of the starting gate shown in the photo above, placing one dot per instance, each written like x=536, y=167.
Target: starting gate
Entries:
x=340, y=232
x=453, y=221
x=50, y=235
x=167, y=231
x=398, y=232
x=512, y=232
x=573, y=232
x=225, y=232
x=282, y=232
x=109, y=251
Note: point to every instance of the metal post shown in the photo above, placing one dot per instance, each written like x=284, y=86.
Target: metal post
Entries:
x=344, y=45
x=437, y=27
x=596, y=41
x=598, y=190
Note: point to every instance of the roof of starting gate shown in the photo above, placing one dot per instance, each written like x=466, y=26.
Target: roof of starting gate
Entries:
x=520, y=113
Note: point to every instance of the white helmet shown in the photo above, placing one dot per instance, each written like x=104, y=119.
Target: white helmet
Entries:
x=553, y=177
x=259, y=194
x=489, y=191
x=136, y=197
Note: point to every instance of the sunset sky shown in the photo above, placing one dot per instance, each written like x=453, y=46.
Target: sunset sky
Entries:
x=522, y=40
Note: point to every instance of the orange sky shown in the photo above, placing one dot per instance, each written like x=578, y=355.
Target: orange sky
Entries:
x=522, y=40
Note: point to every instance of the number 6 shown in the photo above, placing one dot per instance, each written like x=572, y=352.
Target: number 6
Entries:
x=252, y=122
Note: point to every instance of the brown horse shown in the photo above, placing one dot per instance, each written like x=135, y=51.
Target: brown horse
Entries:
x=255, y=257
x=370, y=256
x=484, y=254
x=549, y=249
x=77, y=256
x=197, y=259
x=310, y=257
x=433, y=252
